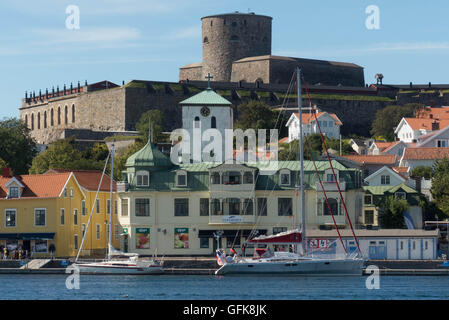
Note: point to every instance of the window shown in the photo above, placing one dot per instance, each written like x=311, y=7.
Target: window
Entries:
x=115, y=207
x=369, y=217
x=108, y=206
x=213, y=122
x=97, y=204
x=13, y=192
x=39, y=217
x=98, y=231
x=402, y=245
x=75, y=242
x=330, y=177
x=284, y=177
x=215, y=178
x=124, y=207
x=52, y=117
x=65, y=192
x=142, y=178
x=71, y=192
x=10, y=217
x=368, y=199
x=206, y=40
x=40, y=246
x=38, y=120
x=116, y=231
x=204, y=207
x=441, y=144
x=215, y=207
x=204, y=243
x=400, y=196
x=248, y=207
x=384, y=179
x=285, y=206
x=181, y=207
x=231, y=206
x=331, y=124
x=45, y=119
x=75, y=217
x=142, y=207
x=197, y=122
x=62, y=217
x=324, y=123
x=83, y=207
x=83, y=229
x=73, y=113
x=32, y=121
x=232, y=177
x=277, y=230
x=425, y=245
x=59, y=115
x=248, y=177
x=261, y=206
x=333, y=204
x=181, y=179
x=66, y=115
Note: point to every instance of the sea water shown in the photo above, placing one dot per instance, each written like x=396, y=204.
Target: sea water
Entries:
x=189, y=287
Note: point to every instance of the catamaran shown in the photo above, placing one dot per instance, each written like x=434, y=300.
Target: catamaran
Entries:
x=300, y=261
x=113, y=265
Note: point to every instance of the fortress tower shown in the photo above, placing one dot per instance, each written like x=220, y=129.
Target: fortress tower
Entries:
x=230, y=37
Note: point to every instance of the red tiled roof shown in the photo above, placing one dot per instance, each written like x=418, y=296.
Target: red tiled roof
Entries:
x=380, y=159
x=89, y=179
x=283, y=140
x=400, y=169
x=425, y=124
x=426, y=153
x=309, y=117
x=38, y=185
x=435, y=113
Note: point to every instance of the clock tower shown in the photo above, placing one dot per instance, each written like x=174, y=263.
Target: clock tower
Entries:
x=201, y=112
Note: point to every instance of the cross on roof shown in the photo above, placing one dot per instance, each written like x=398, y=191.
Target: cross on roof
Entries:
x=208, y=77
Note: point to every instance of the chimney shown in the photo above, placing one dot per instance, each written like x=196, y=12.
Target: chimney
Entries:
x=7, y=172
x=435, y=125
x=431, y=116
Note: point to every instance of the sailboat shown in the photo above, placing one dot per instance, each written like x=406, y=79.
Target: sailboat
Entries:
x=299, y=261
x=113, y=265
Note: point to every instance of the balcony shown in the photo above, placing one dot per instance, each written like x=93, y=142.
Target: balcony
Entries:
x=330, y=186
x=327, y=220
x=232, y=219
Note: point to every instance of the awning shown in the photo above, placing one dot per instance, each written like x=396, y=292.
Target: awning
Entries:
x=230, y=233
x=27, y=236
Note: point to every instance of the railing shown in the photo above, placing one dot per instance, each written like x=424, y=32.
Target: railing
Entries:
x=331, y=186
x=327, y=220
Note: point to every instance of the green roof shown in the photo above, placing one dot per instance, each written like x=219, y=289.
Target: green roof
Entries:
x=206, y=97
x=149, y=156
x=381, y=190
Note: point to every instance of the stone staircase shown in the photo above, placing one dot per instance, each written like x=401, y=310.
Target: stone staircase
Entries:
x=35, y=264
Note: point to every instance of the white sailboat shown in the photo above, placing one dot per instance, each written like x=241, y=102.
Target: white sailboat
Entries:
x=113, y=265
x=267, y=262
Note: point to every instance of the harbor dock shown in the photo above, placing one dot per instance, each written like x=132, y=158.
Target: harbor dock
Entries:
x=208, y=265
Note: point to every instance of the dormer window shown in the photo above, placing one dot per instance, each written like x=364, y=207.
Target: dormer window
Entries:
x=13, y=192
x=248, y=177
x=284, y=177
x=232, y=177
x=181, y=179
x=143, y=179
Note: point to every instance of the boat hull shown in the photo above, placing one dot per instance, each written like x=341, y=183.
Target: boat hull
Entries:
x=348, y=267
x=111, y=269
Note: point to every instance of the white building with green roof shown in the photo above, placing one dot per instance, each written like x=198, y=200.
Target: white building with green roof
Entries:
x=176, y=209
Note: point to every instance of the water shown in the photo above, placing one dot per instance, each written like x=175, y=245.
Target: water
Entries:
x=173, y=287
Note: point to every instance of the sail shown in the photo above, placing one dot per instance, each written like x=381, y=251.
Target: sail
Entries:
x=291, y=236
x=114, y=252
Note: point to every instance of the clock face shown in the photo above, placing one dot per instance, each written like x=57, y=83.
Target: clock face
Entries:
x=205, y=111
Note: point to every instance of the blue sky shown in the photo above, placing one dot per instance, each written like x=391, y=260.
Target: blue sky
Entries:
x=150, y=39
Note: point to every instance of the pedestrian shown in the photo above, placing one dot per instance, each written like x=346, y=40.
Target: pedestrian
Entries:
x=5, y=253
x=52, y=250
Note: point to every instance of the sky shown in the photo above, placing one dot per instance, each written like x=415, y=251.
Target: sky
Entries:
x=122, y=40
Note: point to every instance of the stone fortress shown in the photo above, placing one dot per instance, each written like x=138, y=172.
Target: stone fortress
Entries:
x=237, y=53
x=237, y=47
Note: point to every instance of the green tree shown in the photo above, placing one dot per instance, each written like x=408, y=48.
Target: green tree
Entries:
x=389, y=117
x=422, y=172
x=391, y=215
x=257, y=115
x=123, y=155
x=157, y=123
x=17, y=148
x=3, y=163
x=440, y=185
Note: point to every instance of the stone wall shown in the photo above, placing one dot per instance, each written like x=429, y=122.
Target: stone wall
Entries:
x=251, y=71
x=191, y=73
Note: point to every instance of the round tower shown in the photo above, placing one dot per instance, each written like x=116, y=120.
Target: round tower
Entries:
x=230, y=37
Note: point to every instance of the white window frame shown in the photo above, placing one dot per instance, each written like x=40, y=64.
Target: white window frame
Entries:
x=83, y=207
x=384, y=178
x=15, y=218
x=10, y=193
x=71, y=193
x=97, y=206
x=76, y=247
x=98, y=231
x=75, y=214
x=34, y=222
x=285, y=172
x=142, y=174
x=400, y=192
x=116, y=231
x=181, y=173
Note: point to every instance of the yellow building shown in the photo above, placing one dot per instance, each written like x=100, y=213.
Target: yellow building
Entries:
x=41, y=213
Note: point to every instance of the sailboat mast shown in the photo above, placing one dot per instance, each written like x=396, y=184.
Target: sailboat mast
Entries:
x=110, y=206
x=301, y=158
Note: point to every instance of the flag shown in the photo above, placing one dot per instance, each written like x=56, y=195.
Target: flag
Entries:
x=220, y=259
